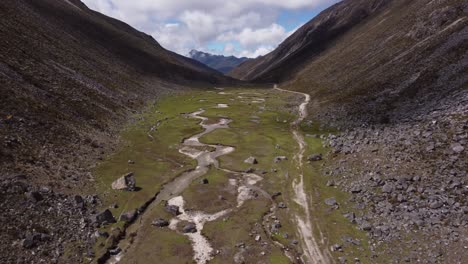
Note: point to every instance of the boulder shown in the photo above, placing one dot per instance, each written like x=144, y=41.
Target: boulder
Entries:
x=190, y=228
x=335, y=247
x=282, y=205
x=115, y=251
x=34, y=196
x=128, y=216
x=204, y=181
x=278, y=159
x=249, y=170
x=331, y=201
x=104, y=217
x=126, y=182
x=356, y=189
x=173, y=209
x=315, y=157
x=31, y=241
x=160, y=223
x=251, y=160
x=388, y=187
x=79, y=201
x=457, y=148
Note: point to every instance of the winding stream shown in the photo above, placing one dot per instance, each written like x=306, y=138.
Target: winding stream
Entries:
x=206, y=156
x=192, y=147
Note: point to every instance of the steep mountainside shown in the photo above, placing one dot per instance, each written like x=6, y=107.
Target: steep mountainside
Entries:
x=392, y=76
x=368, y=57
x=218, y=62
x=69, y=78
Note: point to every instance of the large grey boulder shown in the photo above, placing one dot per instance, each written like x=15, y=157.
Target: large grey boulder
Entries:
x=125, y=183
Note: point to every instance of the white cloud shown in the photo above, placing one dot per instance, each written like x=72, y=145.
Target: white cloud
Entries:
x=182, y=25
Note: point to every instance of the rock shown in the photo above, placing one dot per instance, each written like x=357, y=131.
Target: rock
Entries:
x=331, y=202
x=356, y=189
x=258, y=238
x=204, y=181
x=457, y=148
x=99, y=233
x=131, y=162
x=350, y=216
x=366, y=226
x=79, y=201
x=251, y=160
x=282, y=205
x=190, y=228
x=115, y=251
x=335, y=247
x=276, y=194
x=249, y=170
x=34, y=196
x=160, y=223
x=104, y=218
x=436, y=205
x=342, y=260
x=240, y=245
x=128, y=216
x=278, y=159
x=388, y=187
x=173, y=209
x=315, y=157
x=31, y=241
x=330, y=183
x=295, y=242
x=126, y=182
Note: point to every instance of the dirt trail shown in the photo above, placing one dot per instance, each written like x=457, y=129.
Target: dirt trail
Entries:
x=312, y=252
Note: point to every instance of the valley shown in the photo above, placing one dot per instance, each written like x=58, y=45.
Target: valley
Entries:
x=250, y=192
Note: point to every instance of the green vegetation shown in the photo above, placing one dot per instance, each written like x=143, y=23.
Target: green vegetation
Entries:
x=260, y=127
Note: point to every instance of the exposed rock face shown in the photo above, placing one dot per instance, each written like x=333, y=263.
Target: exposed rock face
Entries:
x=126, y=182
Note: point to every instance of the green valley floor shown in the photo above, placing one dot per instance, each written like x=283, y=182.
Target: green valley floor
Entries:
x=225, y=176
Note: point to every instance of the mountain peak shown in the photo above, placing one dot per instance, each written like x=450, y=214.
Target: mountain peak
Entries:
x=220, y=63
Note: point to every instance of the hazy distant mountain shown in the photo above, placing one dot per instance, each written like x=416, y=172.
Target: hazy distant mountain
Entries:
x=218, y=62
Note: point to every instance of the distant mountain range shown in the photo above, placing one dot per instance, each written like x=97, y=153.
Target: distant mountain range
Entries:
x=218, y=62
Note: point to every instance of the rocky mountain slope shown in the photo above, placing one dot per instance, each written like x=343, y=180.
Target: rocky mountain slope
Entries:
x=392, y=76
x=69, y=78
x=218, y=62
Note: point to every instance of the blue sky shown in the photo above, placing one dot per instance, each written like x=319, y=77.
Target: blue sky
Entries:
x=230, y=27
